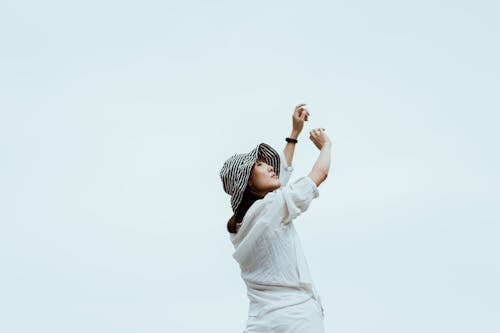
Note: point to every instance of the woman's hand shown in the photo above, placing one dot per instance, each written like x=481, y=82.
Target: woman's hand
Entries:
x=319, y=138
x=300, y=115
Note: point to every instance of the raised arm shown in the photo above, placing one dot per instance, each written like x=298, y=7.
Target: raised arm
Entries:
x=300, y=115
x=321, y=167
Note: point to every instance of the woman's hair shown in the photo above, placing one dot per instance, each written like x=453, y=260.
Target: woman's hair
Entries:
x=248, y=199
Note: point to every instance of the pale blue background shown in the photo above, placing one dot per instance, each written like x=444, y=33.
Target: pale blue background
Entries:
x=116, y=117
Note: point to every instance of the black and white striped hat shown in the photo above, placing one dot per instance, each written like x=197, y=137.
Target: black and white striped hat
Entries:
x=237, y=169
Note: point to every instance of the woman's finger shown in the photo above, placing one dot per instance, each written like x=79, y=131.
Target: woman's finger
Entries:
x=306, y=117
x=298, y=112
x=303, y=115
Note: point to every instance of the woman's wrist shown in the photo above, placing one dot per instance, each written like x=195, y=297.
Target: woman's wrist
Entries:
x=294, y=134
x=327, y=145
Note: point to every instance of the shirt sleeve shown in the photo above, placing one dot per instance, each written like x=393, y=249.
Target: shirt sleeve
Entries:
x=297, y=197
x=285, y=170
x=288, y=202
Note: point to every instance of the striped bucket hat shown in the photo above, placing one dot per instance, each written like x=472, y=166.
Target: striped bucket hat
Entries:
x=236, y=170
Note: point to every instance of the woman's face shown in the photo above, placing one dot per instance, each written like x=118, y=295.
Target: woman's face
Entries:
x=263, y=179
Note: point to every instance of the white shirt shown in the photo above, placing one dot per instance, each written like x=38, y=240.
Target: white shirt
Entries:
x=268, y=249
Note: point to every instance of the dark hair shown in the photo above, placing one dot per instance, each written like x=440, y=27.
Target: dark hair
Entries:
x=246, y=202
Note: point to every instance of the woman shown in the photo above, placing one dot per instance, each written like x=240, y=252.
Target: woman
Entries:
x=267, y=247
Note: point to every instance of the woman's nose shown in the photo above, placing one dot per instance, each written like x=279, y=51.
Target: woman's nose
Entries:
x=270, y=168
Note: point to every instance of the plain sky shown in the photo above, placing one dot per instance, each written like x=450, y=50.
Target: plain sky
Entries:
x=116, y=117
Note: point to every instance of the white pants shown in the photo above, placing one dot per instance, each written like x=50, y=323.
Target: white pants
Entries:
x=306, y=317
